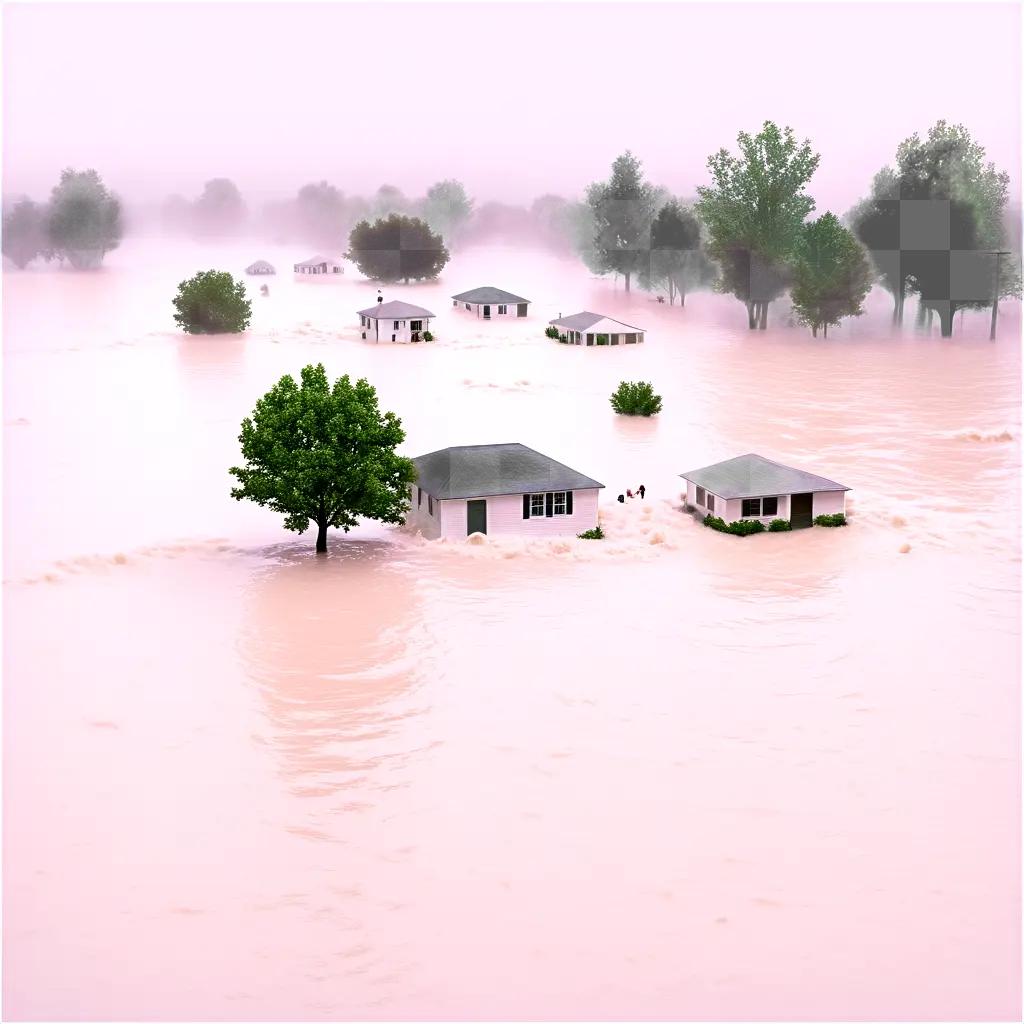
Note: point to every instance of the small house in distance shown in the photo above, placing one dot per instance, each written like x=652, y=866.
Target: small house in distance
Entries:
x=500, y=490
x=260, y=267
x=319, y=265
x=752, y=487
x=394, y=321
x=489, y=302
x=596, y=329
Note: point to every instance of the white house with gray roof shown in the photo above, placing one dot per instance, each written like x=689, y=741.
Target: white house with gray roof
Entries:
x=753, y=487
x=394, y=321
x=597, y=329
x=489, y=302
x=499, y=490
x=319, y=265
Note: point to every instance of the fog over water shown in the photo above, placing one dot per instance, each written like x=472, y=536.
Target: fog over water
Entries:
x=672, y=774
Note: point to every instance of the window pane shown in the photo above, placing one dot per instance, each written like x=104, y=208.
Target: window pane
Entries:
x=751, y=506
x=711, y=503
x=559, y=508
x=700, y=495
x=536, y=504
x=769, y=506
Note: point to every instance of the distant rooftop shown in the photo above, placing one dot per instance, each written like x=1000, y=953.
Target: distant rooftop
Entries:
x=583, y=321
x=751, y=476
x=473, y=471
x=489, y=294
x=395, y=310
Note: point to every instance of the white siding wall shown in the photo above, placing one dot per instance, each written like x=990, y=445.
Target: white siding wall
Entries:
x=829, y=502
x=477, y=309
x=824, y=503
x=419, y=517
x=387, y=329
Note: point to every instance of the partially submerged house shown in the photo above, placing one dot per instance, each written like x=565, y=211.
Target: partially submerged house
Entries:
x=489, y=302
x=260, y=267
x=596, y=329
x=500, y=490
x=753, y=487
x=319, y=265
x=394, y=321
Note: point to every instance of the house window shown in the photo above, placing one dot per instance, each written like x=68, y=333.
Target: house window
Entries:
x=455, y=302
x=395, y=328
x=559, y=503
x=769, y=506
x=503, y=309
x=590, y=339
x=700, y=495
x=417, y=325
x=751, y=507
x=711, y=503
x=536, y=505
x=467, y=305
x=419, y=496
x=430, y=504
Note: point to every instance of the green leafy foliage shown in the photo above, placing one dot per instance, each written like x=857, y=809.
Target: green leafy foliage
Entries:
x=636, y=398
x=397, y=248
x=595, y=534
x=740, y=528
x=428, y=336
x=24, y=232
x=551, y=332
x=84, y=219
x=831, y=274
x=779, y=526
x=447, y=208
x=836, y=519
x=677, y=261
x=323, y=454
x=212, y=302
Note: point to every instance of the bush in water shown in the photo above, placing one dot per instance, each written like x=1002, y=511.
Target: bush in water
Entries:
x=779, y=526
x=551, y=332
x=636, y=398
x=427, y=336
x=836, y=519
x=212, y=302
x=741, y=528
x=595, y=534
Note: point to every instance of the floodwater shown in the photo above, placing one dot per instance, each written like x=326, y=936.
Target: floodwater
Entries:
x=674, y=774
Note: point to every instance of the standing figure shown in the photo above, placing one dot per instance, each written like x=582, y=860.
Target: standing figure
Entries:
x=641, y=490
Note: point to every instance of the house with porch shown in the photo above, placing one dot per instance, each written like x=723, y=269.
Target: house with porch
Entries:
x=394, y=321
x=753, y=487
x=260, y=267
x=499, y=490
x=489, y=303
x=319, y=265
x=597, y=329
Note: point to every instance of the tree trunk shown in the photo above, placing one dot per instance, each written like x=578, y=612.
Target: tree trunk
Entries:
x=626, y=276
x=682, y=299
x=814, y=330
x=321, y=537
x=946, y=322
x=751, y=317
x=671, y=293
x=763, y=324
x=901, y=302
x=826, y=328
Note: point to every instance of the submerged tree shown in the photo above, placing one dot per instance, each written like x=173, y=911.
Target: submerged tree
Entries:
x=323, y=454
x=754, y=211
x=220, y=210
x=321, y=215
x=636, y=398
x=677, y=260
x=84, y=220
x=397, y=249
x=212, y=302
x=831, y=275
x=622, y=209
x=24, y=232
x=447, y=208
x=388, y=200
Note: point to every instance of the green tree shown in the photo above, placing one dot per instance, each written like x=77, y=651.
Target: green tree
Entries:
x=84, y=219
x=212, y=302
x=324, y=455
x=622, y=209
x=754, y=211
x=636, y=398
x=397, y=248
x=388, y=200
x=678, y=262
x=447, y=208
x=24, y=232
x=831, y=274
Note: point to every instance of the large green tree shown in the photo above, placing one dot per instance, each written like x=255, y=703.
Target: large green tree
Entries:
x=397, y=248
x=622, y=208
x=447, y=208
x=754, y=211
x=84, y=220
x=24, y=232
x=212, y=302
x=323, y=454
x=831, y=274
x=678, y=263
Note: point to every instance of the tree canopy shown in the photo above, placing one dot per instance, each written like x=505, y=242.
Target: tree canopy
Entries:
x=84, y=220
x=321, y=215
x=831, y=274
x=754, y=212
x=397, y=248
x=678, y=262
x=323, y=454
x=24, y=232
x=212, y=302
x=447, y=208
x=220, y=210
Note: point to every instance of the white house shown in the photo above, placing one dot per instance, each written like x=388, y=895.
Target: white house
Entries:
x=752, y=487
x=319, y=265
x=394, y=321
x=489, y=302
x=260, y=267
x=500, y=490
x=596, y=329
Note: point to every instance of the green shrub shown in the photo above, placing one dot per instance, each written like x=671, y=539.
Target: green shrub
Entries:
x=741, y=528
x=636, y=398
x=836, y=519
x=212, y=302
x=602, y=339
x=551, y=332
x=427, y=336
x=715, y=523
x=779, y=525
x=595, y=534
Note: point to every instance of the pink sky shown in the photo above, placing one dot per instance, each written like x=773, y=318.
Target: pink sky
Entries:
x=515, y=100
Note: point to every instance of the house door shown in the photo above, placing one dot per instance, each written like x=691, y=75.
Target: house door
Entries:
x=801, y=512
x=476, y=517
x=392, y=337
x=487, y=312
x=521, y=309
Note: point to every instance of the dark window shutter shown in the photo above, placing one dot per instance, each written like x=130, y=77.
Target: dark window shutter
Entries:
x=549, y=504
x=526, y=506
x=568, y=503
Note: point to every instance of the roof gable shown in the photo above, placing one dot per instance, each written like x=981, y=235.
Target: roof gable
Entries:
x=585, y=320
x=751, y=476
x=395, y=310
x=490, y=294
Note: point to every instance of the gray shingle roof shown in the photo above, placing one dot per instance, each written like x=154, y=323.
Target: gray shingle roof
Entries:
x=489, y=294
x=581, y=321
x=395, y=310
x=473, y=471
x=260, y=267
x=751, y=476
x=315, y=261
